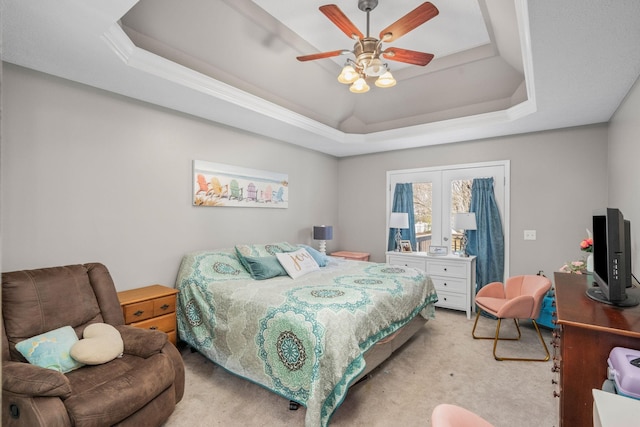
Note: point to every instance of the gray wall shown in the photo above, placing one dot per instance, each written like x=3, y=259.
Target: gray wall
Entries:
x=92, y=176
x=557, y=179
x=624, y=167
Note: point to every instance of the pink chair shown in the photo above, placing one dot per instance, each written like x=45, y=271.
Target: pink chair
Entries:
x=445, y=415
x=520, y=298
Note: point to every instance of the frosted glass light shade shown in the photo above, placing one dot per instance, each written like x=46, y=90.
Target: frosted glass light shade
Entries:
x=359, y=86
x=375, y=68
x=386, y=80
x=348, y=75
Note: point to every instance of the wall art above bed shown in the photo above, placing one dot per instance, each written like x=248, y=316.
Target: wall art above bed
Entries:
x=216, y=184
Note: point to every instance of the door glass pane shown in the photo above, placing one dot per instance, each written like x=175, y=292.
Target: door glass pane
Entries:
x=422, y=209
x=460, y=202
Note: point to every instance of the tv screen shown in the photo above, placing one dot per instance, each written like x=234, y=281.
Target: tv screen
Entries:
x=611, y=258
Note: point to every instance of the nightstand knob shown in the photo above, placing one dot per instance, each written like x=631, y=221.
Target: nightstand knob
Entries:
x=164, y=306
x=153, y=327
x=138, y=313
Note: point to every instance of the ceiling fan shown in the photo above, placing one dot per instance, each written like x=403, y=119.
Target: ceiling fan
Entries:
x=368, y=50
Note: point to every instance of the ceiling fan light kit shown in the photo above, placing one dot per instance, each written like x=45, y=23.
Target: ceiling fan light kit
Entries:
x=368, y=50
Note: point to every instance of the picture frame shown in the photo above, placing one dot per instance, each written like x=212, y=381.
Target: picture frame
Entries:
x=405, y=246
x=438, y=250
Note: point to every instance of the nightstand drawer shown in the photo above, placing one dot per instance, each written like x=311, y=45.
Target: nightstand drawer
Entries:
x=164, y=305
x=138, y=311
x=450, y=284
x=164, y=323
x=444, y=268
x=393, y=260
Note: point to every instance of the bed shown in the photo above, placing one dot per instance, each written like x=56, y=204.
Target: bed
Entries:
x=309, y=338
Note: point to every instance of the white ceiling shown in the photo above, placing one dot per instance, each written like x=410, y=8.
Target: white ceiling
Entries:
x=502, y=66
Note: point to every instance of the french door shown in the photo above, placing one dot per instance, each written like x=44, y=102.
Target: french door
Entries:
x=439, y=193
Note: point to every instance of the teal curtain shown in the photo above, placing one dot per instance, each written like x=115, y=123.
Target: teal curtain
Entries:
x=487, y=242
x=403, y=202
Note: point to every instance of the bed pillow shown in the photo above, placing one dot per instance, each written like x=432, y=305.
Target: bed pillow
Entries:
x=268, y=249
x=297, y=263
x=262, y=268
x=100, y=343
x=51, y=350
x=321, y=259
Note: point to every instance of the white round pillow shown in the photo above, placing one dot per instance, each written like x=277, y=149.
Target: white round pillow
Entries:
x=100, y=343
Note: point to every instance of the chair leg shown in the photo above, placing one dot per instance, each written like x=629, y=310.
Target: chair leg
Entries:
x=473, y=332
x=497, y=338
x=495, y=345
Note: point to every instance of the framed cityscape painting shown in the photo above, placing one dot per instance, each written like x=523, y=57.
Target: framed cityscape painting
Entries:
x=216, y=184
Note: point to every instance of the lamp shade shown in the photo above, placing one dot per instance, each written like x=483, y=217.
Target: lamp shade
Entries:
x=322, y=232
x=465, y=221
x=399, y=220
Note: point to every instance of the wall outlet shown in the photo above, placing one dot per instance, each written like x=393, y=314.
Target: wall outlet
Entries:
x=529, y=234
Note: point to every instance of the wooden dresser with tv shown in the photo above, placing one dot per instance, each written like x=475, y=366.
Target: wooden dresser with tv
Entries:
x=586, y=332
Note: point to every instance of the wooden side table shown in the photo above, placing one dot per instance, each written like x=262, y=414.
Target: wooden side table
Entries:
x=151, y=307
x=357, y=256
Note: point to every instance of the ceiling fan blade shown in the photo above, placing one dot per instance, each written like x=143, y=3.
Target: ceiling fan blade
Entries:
x=321, y=55
x=411, y=20
x=341, y=21
x=408, y=56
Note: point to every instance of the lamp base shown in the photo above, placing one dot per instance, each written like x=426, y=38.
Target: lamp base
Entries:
x=398, y=239
x=322, y=246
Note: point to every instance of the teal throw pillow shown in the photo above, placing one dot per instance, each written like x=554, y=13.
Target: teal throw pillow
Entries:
x=51, y=349
x=261, y=268
x=321, y=259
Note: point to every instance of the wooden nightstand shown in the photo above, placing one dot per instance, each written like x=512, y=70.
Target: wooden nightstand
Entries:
x=357, y=256
x=151, y=307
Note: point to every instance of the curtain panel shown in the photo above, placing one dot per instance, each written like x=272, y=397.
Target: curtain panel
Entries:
x=403, y=202
x=487, y=242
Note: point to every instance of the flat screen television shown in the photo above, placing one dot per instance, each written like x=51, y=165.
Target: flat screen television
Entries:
x=612, y=259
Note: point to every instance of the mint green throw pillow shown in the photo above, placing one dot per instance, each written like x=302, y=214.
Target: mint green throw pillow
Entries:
x=51, y=349
x=262, y=268
x=321, y=259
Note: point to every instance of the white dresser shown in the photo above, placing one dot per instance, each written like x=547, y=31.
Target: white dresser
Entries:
x=454, y=277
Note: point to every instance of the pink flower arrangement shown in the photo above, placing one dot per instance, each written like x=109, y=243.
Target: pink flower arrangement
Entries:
x=587, y=245
x=574, y=267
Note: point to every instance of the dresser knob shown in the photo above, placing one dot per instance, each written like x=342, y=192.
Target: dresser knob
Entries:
x=445, y=283
x=138, y=313
x=445, y=269
x=554, y=382
x=164, y=306
x=555, y=368
x=556, y=394
x=153, y=327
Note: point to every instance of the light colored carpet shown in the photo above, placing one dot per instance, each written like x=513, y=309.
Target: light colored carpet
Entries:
x=442, y=363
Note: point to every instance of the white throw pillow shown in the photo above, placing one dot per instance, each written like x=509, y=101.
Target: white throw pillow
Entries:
x=297, y=263
x=100, y=343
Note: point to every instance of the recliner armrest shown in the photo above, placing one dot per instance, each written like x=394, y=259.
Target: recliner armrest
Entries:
x=31, y=380
x=141, y=342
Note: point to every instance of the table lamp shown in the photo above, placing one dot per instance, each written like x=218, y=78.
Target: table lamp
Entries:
x=398, y=220
x=465, y=221
x=322, y=233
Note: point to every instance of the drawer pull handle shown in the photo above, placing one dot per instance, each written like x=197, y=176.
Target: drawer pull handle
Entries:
x=153, y=327
x=164, y=306
x=556, y=394
x=138, y=313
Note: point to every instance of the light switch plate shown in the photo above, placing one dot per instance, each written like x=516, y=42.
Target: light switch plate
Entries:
x=529, y=234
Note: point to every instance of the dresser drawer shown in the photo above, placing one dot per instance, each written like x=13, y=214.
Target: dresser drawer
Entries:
x=164, y=323
x=137, y=312
x=414, y=263
x=164, y=305
x=450, y=284
x=450, y=300
x=448, y=269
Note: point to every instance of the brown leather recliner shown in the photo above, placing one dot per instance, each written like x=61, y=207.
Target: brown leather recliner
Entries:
x=141, y=388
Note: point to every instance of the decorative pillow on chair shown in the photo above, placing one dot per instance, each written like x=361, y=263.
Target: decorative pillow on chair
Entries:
x=51, y=350
x=100, y=343
x=297, y=263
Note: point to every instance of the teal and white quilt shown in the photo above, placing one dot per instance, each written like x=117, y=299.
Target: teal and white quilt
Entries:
x=304, y=339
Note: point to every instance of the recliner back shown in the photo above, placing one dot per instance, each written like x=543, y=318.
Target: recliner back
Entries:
x=38, y=301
